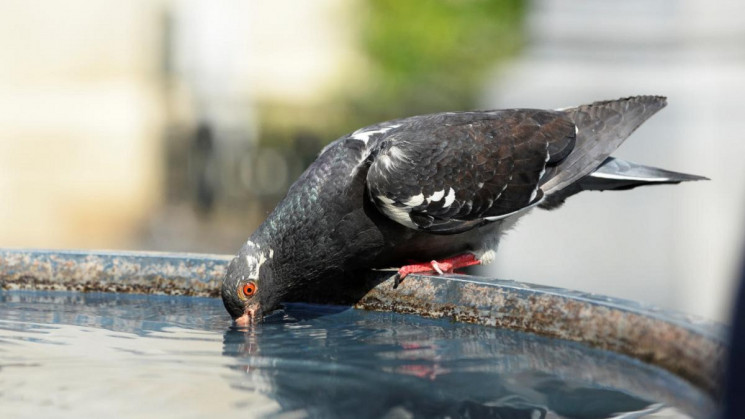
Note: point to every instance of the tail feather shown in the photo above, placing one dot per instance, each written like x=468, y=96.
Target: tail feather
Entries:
x=617, y=172
x=601, y=128
x=615, y=175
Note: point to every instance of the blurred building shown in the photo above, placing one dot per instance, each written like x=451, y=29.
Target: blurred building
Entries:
x=674, y=246
x=223, y=62
x=118, y=118
x=80, y=117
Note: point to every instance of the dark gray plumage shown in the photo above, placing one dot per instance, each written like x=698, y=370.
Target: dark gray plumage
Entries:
x=431, y=187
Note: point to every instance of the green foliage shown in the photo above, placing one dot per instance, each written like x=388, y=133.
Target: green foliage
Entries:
x=421, y=56
x=432, y=55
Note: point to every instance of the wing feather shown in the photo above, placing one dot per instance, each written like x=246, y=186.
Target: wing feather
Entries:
x=447, y=173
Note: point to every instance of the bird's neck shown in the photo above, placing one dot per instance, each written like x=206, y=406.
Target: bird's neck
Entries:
x=305, y=230
x=294, y=255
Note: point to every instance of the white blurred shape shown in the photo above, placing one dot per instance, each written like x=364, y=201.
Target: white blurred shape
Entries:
x=675, y=246
x=78, y=114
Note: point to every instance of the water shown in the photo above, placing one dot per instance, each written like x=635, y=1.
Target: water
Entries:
x=107, y=355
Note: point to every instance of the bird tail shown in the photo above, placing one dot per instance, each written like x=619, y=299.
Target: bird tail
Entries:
x=601, y=128
x=616, y=174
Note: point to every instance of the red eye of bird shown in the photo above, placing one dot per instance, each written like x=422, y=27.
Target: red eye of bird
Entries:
x=249, y=289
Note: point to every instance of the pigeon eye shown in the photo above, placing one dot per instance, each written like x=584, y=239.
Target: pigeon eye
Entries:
x=248, y=290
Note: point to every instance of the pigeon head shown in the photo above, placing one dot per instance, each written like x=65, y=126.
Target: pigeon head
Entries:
x=247, y=288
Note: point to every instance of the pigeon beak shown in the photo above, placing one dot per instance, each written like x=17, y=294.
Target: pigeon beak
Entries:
x=250, y=316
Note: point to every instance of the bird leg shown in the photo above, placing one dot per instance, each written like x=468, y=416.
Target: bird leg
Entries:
x=443, y=266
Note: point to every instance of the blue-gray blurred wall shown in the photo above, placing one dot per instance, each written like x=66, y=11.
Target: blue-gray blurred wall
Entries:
x=678, y=247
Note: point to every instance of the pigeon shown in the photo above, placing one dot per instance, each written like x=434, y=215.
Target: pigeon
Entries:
x=431, y=193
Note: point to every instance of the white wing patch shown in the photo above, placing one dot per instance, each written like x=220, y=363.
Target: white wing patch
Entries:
x=540, y=175
x=393, y=156
x=401, y=214
x=387, y=162
x=545, y=163
x=437, y=196
x=396, y=153
x=415, y=200
x=397, y=214
x=384, y=199
x=364, y=136
x=449, y=199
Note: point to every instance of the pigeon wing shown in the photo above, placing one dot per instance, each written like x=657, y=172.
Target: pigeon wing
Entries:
x=448, y=173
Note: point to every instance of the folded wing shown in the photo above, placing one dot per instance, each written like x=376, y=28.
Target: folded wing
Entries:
x=447, y=173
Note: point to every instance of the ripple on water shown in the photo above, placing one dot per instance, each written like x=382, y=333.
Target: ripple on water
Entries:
x=94, y=355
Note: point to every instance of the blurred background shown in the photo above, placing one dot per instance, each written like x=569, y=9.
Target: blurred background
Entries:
x=178, y=124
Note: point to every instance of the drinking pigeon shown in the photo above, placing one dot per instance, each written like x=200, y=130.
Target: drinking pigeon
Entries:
x=431, y=193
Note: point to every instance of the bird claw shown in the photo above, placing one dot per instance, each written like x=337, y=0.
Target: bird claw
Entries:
x=436, y=266
x=397, y=280
x=441, y=267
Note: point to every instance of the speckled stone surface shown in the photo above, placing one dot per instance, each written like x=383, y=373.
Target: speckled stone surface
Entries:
x=135, y=272
x=684, y=345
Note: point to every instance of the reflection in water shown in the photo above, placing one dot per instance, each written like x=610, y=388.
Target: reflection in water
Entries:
x=67, y=355
x=404, y=366
x=91, y=355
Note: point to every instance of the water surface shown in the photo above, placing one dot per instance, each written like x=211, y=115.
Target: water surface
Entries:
x=94, y=355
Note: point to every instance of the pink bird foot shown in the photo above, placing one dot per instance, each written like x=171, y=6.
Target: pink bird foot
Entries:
x=443, y=266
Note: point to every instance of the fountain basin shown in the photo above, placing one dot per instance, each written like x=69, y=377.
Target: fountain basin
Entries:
x=612, y=333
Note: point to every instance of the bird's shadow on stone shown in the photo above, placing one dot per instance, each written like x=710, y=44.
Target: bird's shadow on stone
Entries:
x=334, y=294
